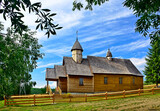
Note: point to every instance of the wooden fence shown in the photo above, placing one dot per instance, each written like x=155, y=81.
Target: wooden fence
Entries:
x=40, y=99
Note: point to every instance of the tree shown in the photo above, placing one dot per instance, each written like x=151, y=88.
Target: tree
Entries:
x=147, y=11
x=152, y=68
x=18, y=58
x=11, y=9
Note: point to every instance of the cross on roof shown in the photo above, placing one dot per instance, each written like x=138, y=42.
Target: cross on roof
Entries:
x=77, y=35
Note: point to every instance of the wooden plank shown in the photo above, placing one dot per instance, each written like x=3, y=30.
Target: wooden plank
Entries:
x=19, y=103
x=4, y=101
x=22, y=98
x=34, y=100
x=45, y=102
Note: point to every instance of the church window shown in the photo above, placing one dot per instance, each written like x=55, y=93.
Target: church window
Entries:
x=133, y=80
x=120, y=80
x=81, y=81
x=105, y=80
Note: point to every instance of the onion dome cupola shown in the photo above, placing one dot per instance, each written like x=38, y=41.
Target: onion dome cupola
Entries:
x=77, y=46
x=109, y=55
x=77, y=51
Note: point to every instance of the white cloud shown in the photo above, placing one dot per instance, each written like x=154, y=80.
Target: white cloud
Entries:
x=44, y=71
x=139, y=63
x=53, y=84
x=99, y=53
x=59, y=51
x=39, y=85
x=132, y=46
x=49, y=64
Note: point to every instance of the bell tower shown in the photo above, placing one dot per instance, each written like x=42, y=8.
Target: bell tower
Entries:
x=109, y=55
x=77, y=51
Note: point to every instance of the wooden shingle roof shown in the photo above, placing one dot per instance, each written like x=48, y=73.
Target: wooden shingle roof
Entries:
x=60, y=70
x=96, y=65
x=50, y=73
x=73, y=68
x=102, y=65
x=77, y=46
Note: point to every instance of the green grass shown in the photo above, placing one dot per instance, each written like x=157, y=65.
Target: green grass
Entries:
x=1, y=103
x=139, y=103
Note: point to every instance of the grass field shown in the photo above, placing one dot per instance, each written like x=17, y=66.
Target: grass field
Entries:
x=141, y=103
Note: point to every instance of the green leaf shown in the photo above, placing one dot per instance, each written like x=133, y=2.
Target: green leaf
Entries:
x=58, y=27
x=46, y=10
x=53, y=14
x=37, y=26
x=1, y=10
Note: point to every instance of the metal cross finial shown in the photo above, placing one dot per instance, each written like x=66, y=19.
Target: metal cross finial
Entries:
x=77, y=35
x=108, y=47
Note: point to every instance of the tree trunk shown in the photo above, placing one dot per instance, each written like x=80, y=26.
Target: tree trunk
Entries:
x=156, y=84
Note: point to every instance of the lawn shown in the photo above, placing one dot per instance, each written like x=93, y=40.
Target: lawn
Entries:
x=139, y=103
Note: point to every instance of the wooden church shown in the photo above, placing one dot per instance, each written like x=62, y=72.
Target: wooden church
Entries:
x=94, y=74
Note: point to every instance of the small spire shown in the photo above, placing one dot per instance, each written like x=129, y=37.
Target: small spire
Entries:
x=77, y=35
x=109, y=54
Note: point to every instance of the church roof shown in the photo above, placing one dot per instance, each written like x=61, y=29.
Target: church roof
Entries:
x=73, y=68
x=60, y=70
x=77, y=46
x=96, y=65
x=102, y=65
x=50, y=73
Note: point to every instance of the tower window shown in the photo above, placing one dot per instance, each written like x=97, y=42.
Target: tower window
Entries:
x=105, y=80
x=81, y=81
x=120, y=80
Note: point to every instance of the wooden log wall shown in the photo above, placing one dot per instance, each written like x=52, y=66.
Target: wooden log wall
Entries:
x=62, y=83
x=113, y=82
x=73, y=84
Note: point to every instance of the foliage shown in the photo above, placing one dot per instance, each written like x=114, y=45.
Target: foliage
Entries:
x=43, y=90
x=12, y=9
x=148, y=11
x=18, y=57
x=89, y=6
x=36, y=91
x=152, y=68
x=39, y=90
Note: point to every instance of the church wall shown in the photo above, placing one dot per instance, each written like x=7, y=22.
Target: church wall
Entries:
x=113, y=82
x=73, y=84
x=62, y=83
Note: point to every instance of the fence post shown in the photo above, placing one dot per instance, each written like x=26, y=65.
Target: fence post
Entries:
x=139, y=92
x=124, y=93
x=53, y=98
x=106, y=95
x=152, y=90
x=85, y=97
x=34, y=100
x=4, y=101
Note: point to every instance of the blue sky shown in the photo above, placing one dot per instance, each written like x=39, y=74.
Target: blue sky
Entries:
x=108, y=26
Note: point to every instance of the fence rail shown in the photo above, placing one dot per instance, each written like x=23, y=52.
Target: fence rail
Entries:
x=39, y=99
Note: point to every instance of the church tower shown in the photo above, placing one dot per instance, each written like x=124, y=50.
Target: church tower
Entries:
x=77, y=51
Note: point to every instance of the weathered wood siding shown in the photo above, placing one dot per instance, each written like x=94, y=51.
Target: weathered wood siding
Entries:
x=113, y=83
x=73, y=84
x=62, y=83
